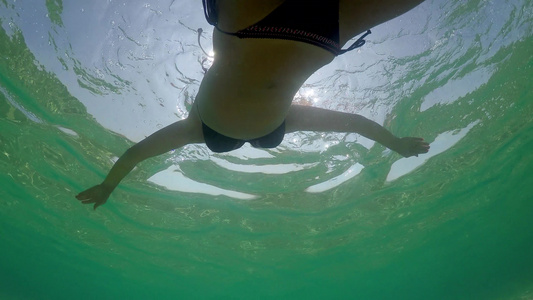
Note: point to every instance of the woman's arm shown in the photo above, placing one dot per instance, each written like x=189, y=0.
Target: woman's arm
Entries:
x=307, y=118
x=171, y=137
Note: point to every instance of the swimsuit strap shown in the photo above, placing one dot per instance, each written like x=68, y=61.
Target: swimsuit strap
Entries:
x=360, y=42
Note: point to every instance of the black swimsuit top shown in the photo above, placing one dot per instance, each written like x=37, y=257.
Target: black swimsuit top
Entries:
x=314, y=22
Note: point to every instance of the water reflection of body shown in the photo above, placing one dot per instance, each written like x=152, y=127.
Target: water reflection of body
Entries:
x=264, y=51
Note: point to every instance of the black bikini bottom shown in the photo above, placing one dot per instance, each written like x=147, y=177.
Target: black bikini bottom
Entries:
x=219, y=143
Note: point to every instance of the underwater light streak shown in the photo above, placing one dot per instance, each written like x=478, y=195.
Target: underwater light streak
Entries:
x=174, y=180
x=23, y=110
x=336, y=181
x=457, y=88
x=265, y=169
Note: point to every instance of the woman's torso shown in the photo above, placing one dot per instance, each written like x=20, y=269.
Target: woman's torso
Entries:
x=251, y=84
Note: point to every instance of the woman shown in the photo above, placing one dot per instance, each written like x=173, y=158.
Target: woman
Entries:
x=265, y=50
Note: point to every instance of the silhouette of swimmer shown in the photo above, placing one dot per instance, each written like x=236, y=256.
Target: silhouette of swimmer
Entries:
x=265, y=51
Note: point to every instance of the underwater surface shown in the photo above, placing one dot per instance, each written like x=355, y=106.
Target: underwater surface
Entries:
x=323, y=216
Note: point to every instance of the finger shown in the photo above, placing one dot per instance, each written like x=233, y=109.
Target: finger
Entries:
x=423, y=150
x=416, y=139
x=96, y=205
x=82, y=195
x=423, y=146
x=419, y=150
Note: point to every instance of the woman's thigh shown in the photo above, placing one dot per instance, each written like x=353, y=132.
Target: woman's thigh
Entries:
x=356, y=16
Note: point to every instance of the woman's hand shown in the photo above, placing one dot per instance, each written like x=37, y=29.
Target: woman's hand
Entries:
x=97, y=194
x=410, y=146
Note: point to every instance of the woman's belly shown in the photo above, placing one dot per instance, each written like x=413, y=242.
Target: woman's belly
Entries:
x=242, y=111
x=248, y=91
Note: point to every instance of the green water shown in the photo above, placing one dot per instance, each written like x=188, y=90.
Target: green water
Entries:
x=457, y=227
